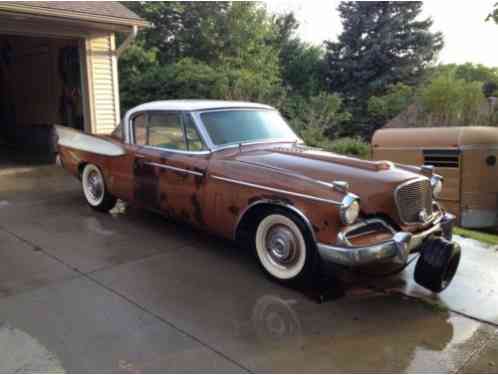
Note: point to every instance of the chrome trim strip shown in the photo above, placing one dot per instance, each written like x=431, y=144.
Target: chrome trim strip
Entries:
x=238, y=145
x=400, y=246
x=287, y=173
x=300, y=195
x=270, y=140
x=357, y=256
x=183, y=152
x=275, y=203
x=342, y=237
x=202, y=131
x=176, y=169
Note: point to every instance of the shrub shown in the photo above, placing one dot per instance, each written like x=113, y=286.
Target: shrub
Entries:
x=452, y=101
x=351, y=146
x=319, y=116
x=385, y=107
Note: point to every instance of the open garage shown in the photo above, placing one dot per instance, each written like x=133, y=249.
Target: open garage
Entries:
x=58, y=65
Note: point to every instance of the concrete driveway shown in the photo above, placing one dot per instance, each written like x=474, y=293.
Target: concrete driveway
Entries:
x=130, y=291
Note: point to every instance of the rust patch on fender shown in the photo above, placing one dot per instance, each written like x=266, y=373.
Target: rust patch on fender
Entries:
x=197, y=208
x=234, y=210
x=146, y=184
x=198, y=180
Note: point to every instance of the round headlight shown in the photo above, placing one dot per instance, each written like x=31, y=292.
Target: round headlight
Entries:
x=437, y=186
x=350, y=209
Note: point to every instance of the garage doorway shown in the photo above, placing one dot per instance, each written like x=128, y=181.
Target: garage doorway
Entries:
x=40, y=85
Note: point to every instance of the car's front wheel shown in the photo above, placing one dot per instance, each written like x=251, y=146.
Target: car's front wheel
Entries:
x=95, y=190
x=283, y=247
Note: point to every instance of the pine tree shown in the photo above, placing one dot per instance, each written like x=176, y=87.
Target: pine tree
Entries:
x=382, y=44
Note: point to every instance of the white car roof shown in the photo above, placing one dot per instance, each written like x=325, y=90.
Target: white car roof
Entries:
x=196, y=105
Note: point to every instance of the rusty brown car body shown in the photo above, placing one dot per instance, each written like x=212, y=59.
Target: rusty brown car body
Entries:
x=298, y=205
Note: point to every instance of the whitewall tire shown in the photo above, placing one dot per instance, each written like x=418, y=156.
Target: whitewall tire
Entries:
x=281, y=247
x=94, y=189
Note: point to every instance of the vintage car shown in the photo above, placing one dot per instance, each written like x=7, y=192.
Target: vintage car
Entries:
x=237, y=170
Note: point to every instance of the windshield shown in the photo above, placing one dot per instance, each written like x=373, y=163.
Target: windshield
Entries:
x=237, y=126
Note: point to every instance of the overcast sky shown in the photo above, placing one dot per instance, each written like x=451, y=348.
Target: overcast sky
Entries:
x=468, y=38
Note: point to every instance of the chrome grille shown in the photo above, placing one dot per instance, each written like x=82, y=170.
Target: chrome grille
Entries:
x=412, y=198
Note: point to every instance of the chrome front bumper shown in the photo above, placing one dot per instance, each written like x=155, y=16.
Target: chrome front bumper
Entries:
x=398, y=248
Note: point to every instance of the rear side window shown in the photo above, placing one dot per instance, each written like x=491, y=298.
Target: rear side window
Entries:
x=168, y=130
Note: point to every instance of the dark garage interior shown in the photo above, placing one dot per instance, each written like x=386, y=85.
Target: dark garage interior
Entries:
x=40, y=85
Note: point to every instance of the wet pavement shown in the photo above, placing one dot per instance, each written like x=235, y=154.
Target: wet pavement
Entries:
x=130, y=291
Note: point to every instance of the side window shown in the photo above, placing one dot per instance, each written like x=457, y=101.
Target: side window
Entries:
x=166, y=130
x=194, y=142
x=139, y=130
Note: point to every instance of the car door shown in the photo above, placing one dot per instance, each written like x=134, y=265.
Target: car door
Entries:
x=170, y=167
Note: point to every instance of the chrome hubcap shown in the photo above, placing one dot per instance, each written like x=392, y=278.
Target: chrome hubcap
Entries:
x=281, y=245
x=94, y=185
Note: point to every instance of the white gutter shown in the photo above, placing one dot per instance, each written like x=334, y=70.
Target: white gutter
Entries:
x=129, y=39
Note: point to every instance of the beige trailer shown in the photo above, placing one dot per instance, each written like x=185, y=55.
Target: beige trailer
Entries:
x=465, y=156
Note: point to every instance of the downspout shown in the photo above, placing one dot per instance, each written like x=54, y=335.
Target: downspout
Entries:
x=129, y=39
x=119, y=51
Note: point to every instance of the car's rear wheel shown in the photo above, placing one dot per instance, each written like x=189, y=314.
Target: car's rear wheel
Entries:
x=95, y=190
x=283, y=246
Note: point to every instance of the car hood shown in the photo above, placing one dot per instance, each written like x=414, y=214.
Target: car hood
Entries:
x=373, y=181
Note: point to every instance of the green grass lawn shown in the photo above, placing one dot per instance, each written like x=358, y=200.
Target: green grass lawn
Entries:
x=489, y=238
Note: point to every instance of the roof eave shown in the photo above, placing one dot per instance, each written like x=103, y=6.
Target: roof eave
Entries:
x=39, y=11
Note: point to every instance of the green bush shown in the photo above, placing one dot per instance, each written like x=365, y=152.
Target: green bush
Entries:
x=350, y=146
x=318, y=117
x=452, y=101
x=385, y=107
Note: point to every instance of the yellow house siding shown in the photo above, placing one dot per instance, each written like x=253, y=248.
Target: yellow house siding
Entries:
x=103, y=83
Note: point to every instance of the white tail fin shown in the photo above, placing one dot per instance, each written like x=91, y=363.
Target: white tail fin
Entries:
x=86, y=142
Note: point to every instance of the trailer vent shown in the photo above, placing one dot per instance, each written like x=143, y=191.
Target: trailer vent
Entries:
x=442, y=158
